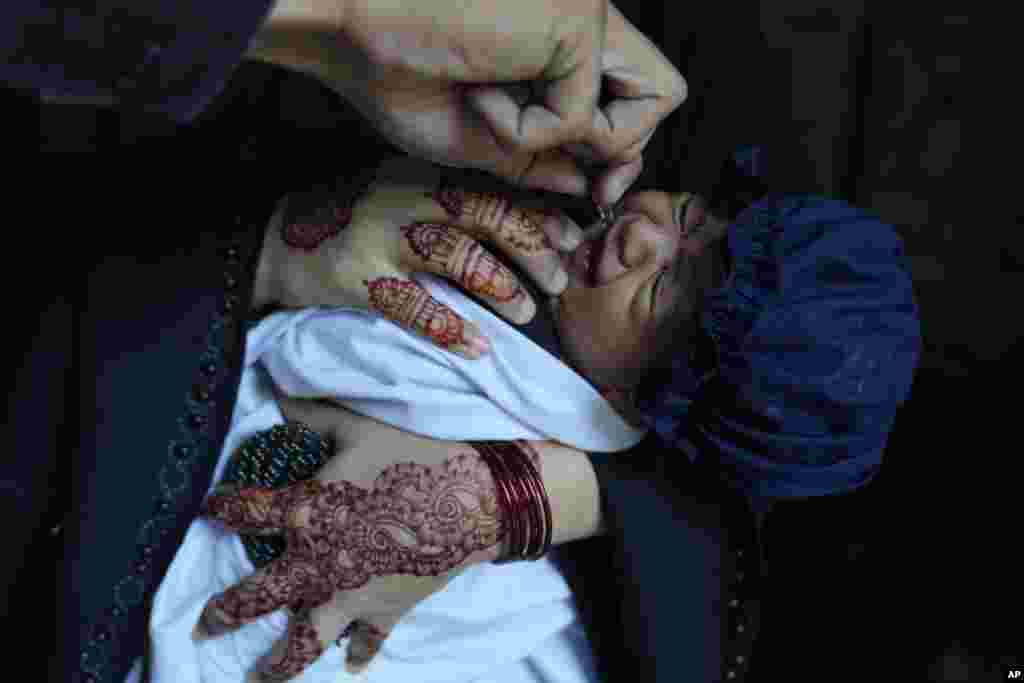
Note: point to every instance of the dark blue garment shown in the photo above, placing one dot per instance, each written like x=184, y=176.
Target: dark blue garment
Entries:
x=806, y=352
x=165, y=56
x=160, y=314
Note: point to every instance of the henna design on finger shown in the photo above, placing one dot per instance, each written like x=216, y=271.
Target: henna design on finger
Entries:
x=485, y=275
x=449, y=197
x=433, y=242
x=463, y=260
x=365, y=644
x=411, y=306
x=311, y=218
x=247, y=510
x=303, y=647
x=284, y=582
x=492, y=214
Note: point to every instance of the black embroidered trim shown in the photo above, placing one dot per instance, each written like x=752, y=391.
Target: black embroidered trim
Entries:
x=176, y=475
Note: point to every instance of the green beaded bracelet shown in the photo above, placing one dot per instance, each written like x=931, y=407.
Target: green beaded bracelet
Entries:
x=273, y=459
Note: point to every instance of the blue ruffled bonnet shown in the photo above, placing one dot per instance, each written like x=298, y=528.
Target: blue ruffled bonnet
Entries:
x=803, y=355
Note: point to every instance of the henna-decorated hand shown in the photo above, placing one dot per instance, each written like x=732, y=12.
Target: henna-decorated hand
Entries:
x=443, y=81
x=387, y=522
x=318, y=252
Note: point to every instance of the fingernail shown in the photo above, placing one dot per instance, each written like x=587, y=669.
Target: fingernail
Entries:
x=207, y=628
x=572, y=236
x=474, y=343
x=527, y=309
x=614, y=190
x=560, y=280
x=356, y=666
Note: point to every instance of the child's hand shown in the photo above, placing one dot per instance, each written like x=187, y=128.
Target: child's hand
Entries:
x=321, y=252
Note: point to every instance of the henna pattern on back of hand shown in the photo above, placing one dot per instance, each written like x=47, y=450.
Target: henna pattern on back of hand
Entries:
x=311, y=218
x=415, y=520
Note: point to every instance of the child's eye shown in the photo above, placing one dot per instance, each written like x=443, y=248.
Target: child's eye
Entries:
x=680, y=216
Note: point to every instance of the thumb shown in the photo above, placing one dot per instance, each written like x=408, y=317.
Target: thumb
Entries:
x=366, y=640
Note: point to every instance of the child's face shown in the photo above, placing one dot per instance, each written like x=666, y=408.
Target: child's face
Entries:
x=629, y=290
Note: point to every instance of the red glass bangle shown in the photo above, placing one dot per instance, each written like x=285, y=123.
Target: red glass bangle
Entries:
x=509, y=501
x=520, y=492
x=532, y=485
x=534, y=492
x=542, y=495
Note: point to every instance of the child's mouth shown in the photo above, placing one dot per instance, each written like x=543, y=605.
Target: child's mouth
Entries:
x=593, y=256
x=584, y=261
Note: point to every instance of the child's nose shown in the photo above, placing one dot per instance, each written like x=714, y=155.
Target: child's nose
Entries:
x=660, y=233
x=645, y=241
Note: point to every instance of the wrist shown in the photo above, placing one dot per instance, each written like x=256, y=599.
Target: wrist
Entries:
x=562, y=504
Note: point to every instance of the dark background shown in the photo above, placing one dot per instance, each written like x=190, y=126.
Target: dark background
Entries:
x=917, y=575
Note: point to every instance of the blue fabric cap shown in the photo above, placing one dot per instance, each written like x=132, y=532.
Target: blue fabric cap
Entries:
x=806, y=352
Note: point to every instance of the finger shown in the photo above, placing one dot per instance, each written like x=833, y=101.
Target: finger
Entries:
x=553, y=170
x=645, y=87
x=622, y=123
x=285, y=581
x=442, y=250
x=366, y=640
x=293, y=653
x=574, y=78
x=516, y=231
x=247, y=510
x=618, y=178
x=407, y=304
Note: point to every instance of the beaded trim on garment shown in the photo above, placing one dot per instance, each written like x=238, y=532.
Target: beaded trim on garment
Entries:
x=102, y=638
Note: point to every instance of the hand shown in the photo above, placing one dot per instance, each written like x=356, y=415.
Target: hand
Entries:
x=388, y=521
x=643, y=88
x=424, y=71
x=318, y=252
x=364, y=541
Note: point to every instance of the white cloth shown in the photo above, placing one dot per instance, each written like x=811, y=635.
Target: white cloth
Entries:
x=491, y=621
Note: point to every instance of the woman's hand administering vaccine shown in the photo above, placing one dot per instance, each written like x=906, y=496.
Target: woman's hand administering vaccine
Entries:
x=511, y=88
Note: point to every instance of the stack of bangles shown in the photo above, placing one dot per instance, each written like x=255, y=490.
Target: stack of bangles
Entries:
x=522, y=497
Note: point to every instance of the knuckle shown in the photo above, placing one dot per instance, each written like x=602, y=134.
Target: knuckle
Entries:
x=678, y=90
